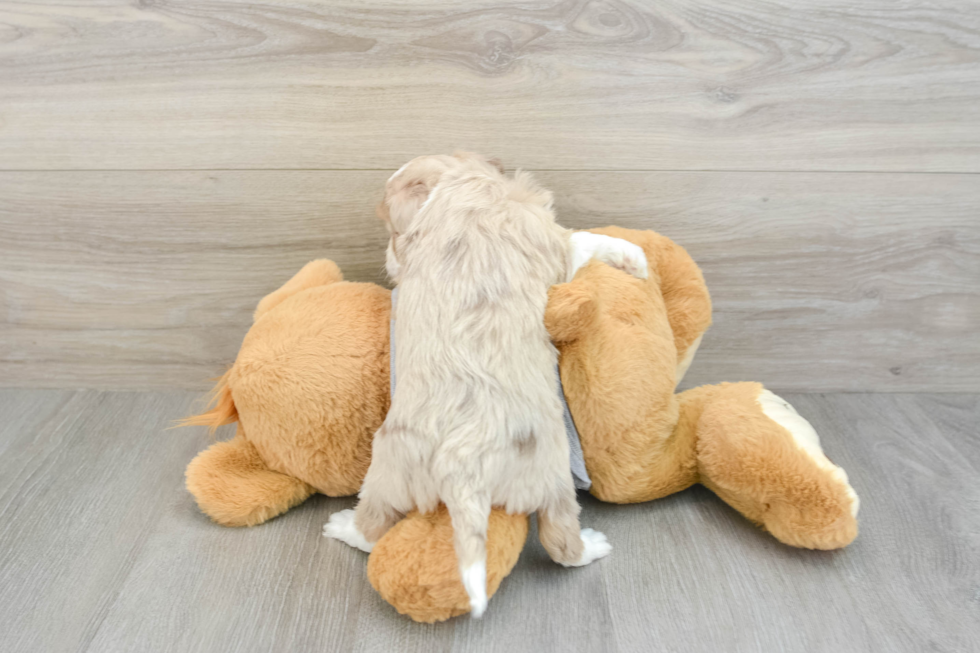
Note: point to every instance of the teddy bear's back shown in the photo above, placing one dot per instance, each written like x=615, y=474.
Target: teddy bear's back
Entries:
x=311, y=383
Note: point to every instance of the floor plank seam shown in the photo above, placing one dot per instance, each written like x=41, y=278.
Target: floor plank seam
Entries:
x=802, y=171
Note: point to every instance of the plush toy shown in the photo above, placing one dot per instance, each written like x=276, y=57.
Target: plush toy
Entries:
x=311, y=385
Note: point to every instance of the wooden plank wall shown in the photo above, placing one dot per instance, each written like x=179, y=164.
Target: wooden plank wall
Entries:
x=165, y=164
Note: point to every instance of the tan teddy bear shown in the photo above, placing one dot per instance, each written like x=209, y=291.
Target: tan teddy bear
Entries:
x=311, y=385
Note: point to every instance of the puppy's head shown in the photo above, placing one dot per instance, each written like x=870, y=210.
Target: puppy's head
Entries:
x=407, y=190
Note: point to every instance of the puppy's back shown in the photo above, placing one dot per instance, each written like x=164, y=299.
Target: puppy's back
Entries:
x=486, y=240
x=477, y=264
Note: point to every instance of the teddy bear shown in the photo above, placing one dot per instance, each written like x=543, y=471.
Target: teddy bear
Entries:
x=310, y=386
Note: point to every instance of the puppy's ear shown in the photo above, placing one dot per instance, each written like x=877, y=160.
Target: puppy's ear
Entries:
x=381, y=210
x=496, y=163
x=571, y=311
x=404, y=204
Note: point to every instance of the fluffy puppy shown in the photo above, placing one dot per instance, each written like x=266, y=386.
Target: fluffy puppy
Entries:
x=475, y=419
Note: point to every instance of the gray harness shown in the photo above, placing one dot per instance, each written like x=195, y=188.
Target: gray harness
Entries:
x=577, y=461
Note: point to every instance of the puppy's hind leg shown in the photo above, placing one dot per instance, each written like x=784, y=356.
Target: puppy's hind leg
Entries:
x=363, y=526
x=470, y=514
x=562, y=538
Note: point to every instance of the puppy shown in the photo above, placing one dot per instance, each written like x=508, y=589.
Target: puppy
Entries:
x=475, y=420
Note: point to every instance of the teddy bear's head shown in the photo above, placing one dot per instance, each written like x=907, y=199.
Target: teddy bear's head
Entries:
x=607, y=321
x=618, y=358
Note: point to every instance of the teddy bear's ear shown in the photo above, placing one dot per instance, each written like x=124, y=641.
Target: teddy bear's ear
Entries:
x=571, y=310
x=315, y=273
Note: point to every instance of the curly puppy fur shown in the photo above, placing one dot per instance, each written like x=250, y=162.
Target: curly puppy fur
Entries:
x=475, y=420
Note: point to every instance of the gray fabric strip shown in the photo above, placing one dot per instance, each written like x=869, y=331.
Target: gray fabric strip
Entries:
x=577, y=460
x=579, y=474
x=391, y=339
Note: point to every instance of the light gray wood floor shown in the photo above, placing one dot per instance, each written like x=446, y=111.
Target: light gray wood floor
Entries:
x=102, y=550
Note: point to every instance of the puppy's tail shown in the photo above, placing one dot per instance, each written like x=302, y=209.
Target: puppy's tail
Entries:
x=470, y=515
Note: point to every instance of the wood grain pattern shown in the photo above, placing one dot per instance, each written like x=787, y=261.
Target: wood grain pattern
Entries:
x=104, y=273
x=97, y=529
x=79, y=494
x=572, y=84
x=821, y=281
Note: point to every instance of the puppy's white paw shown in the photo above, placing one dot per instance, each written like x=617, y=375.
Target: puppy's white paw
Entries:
x=623, y=255
x=582, y=247
x=595, y=546
x=615, y=252
x=634, y=259
x=341, y=527
x=475, y=583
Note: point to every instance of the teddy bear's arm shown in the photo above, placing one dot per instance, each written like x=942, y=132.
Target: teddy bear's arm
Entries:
x=685, y=296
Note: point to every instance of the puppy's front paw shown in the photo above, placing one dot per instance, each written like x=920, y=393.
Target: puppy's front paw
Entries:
x=627, y=257
x=595, y=546
x=341, y=526
x=615, y=252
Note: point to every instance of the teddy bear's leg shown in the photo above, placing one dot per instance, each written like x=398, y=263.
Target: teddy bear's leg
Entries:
x=315, y=273
x=234, y=487
x=414, y=565
x=765, y=460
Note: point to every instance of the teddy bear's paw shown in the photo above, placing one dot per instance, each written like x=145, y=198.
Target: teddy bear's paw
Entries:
x=595, y=546
x=341, y=527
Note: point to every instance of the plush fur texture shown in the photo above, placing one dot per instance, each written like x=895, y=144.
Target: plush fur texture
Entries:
x=640, y=440
x=475, y=419
x=309, y=388
x=429, y=573
x=235, y=487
